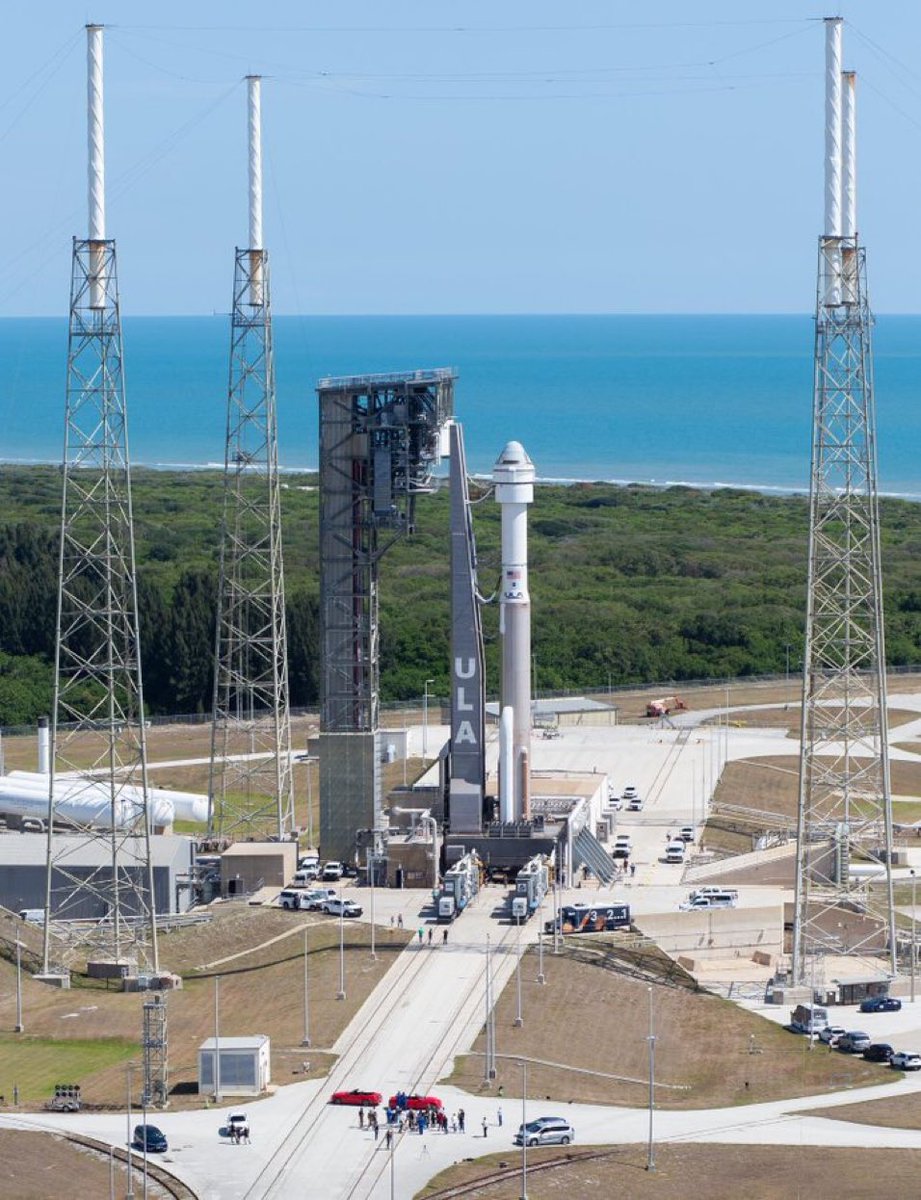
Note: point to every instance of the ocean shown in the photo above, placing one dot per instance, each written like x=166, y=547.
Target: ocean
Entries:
x=704, y=400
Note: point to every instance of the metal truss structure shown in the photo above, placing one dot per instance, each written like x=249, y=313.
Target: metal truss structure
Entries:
x=844, y=789
x=97, y=731
x=380, y=439
x=155, y=1045
x=251, y=787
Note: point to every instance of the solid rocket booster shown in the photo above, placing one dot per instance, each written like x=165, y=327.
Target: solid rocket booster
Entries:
x=513, y=476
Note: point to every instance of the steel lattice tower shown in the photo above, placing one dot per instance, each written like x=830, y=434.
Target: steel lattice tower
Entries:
x=251, y=788
x=844, y=790
x=97, y=731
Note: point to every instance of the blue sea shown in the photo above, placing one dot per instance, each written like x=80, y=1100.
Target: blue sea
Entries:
x=707, y=400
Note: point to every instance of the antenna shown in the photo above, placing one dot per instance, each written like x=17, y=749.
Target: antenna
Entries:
x=844, y=787
x=101, y=872
x=251, y=789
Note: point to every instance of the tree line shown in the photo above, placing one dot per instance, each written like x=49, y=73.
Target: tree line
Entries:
x=629, y=585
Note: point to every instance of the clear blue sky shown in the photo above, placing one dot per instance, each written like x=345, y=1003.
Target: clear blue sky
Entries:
x=427, y=156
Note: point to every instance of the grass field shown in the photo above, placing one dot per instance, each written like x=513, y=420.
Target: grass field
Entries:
x=899, y=1112
x=261, y=991
x=591, y=1016
x=684, y=1170
x=36, y=1064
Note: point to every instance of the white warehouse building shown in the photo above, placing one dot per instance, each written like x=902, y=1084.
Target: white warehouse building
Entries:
x=243, y=1065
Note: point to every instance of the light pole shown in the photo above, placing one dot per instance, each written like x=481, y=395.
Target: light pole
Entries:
x=913, y=935
x=309, y=805
x=425, y=719
x=217, y=1040
x=340, y=995
x=787, y=648
x=651, y=1039
x=19, y=1028
x=370, y=862
x=129, y=1194
x=556, y=911
x=524, y=1131
x=306, y=1038
x=519, y=1019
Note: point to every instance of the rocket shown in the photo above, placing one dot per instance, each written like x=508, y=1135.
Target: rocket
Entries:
x=513, y=476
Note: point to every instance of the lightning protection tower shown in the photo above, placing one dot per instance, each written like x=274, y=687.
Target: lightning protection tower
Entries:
x=97, y=731
x=251, y=786
x=844, y=794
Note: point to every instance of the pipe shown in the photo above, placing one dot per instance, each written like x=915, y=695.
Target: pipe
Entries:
x=254, y=108
x=96, y=167
x=186, y=806
x=833, y=132
x=506, y=765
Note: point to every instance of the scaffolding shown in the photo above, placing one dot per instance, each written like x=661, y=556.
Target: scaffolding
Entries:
x=155, y=1046
x=251, y=788
x=844, y=810
x=380, y=440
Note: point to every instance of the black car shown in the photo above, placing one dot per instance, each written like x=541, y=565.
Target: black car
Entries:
x=878, y=1052
x=880, y=1004
x=149, y=1138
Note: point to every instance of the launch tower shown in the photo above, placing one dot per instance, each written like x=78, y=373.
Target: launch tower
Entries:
x=97, y=728
x=844, y=793
x=251, y=791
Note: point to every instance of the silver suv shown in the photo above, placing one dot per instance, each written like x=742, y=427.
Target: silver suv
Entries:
x=546, y=1131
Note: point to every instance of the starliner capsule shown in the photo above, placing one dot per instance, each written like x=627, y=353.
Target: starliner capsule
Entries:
x=513, y=476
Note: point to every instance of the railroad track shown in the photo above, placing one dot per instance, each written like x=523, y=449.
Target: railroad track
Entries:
x=163, y=1178
x=503, y=1174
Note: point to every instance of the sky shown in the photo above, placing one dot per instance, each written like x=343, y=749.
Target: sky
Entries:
x=471, y=156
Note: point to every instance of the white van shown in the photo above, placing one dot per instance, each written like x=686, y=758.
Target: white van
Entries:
x=35, y=916
x=674, y=852
x=716, y=900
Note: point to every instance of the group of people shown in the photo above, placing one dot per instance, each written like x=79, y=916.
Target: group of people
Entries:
x=402, y=1119
x=239, y=1135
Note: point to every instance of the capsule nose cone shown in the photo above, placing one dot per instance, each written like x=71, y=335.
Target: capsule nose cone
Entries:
x=514, y=455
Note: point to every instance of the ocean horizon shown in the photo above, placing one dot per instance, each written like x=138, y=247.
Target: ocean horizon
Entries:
x=699, y=401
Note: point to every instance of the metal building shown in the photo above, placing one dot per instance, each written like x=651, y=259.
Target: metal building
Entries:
x=844, y=790
x=381, y=436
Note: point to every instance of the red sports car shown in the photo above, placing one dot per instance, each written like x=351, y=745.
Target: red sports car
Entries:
x=420, y=1103
x=357, y=1097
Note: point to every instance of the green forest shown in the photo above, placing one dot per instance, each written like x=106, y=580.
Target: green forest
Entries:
x=629, y=584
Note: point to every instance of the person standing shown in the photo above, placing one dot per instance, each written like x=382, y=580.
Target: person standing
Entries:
x=444, y=936
x=388, y=1138
x=430, y=936
x=460, y=1119
x=485, y=1128
x=632, y=870
x=421, y=933
x=499, y=1116
x=361, y=1117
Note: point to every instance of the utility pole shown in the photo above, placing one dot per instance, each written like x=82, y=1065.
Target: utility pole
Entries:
x=340, y=995
x=651, y=1039
x=20, y=1028
x=305, y=1041
x=519, y=1019
x=217, y=1040
x=524, y=1131
x=914, y=956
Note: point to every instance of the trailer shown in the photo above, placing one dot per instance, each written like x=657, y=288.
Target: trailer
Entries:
x=591, y=918
x=530, y=887
x=664, y=705
x=459, y=886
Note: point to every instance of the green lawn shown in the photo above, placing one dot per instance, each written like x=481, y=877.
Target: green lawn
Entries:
x=35, y=1065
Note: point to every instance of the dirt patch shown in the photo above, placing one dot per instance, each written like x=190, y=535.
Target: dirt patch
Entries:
x=34, y=1166
x=717, y=1172
x=899, y=1112
x=597, y=1018
x=261, y=992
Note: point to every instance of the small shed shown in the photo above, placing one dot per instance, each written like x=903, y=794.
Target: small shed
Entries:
x=248, y=866
x=243, y=1065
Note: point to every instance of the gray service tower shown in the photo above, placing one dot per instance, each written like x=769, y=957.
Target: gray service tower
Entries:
x=381, y=437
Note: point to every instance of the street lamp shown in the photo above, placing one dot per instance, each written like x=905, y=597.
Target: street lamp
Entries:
x=217, y=1040
x=913, y=934
x=524, y=1130
x=519, y=1019
x=425, y=719
x=19, y=1027
x=340, y=995
x=306, y=1039
x=651, y=1039
x=129, y=1194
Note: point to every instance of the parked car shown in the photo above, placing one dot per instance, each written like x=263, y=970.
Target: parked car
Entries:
x=419, y=1103
x=339, y=906
x=236, y=1121
x=332, y=870
x=293, y=898
x=880, y=1004
x=686, y=833
x=831, y=1033
x=630, y=793
x=305, y=875
x=317, y=897
x=635, y=805
x=674, y=852
x=905, y=1060
x=358, y=1097
x=622, y=846
x=853, y=1042
x=711, y=900
x=149, y=1138
x=546, y=1131
x=878, y=1052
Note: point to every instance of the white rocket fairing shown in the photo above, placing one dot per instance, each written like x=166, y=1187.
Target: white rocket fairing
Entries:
x=513, y=476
